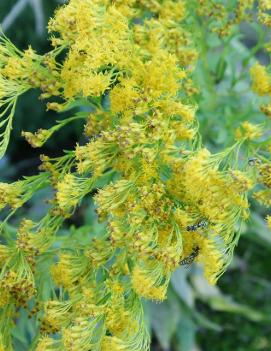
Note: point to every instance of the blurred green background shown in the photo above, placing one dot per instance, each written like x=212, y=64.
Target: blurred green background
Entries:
x=236, y=314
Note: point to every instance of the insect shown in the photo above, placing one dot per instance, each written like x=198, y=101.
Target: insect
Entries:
x=194, y=227
x=254, y=161
x=190, y=259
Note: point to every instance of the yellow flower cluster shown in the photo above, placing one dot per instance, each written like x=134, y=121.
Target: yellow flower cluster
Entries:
x=223, y=16
x=162, y=199
x=261, y=81
x=248, y=131
x=263, y=195
x=261, y=85
x=264, y=14
x=16, y=194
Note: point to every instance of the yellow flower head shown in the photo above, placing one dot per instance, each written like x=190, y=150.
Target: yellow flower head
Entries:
x=249, y=131
x=261, y=82
x=146, y=284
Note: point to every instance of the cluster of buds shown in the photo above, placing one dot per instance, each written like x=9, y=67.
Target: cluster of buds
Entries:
x=19, y=289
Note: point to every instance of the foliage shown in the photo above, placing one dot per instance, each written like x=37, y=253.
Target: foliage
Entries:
x=163, y=198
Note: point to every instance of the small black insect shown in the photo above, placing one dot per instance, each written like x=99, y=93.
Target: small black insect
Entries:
x=194, y=227
x=190, y=259
x=254, y=161
x=202, y=224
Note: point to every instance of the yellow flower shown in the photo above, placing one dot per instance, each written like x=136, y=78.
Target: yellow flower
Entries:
x=10, y=194
x=124, y=96
x=261, y=82
x=4, y=298
x=46, y=344
x=249, y=131
x=212, y=259
x=146, y=284
x=241, y=182
x=265, y=174
x=264, y=5
x=112, y=343
x=89, y=85
x=263, y=196
x=172, y=10
x=71, y=190
x=37, y=139
x=266, y=109
x=81, y=335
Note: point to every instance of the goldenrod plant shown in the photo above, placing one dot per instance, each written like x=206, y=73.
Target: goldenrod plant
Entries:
x=125, y=68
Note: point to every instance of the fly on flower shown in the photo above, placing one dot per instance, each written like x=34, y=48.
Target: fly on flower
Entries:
x=190, y=259
x=194, y=227
x=254, y=161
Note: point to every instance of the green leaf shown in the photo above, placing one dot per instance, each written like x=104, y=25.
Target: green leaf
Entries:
x=227, y=304
x=205, y=322
x=181, y=286
x=202, y=287
x=186, y=333
x=220, y=69
x=219, y=302
x=6, y=125
x=164, y=320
